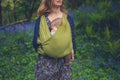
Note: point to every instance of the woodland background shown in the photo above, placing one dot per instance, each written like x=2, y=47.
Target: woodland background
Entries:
x=97, y=33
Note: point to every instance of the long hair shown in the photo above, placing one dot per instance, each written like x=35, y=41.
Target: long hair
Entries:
x=46, y=6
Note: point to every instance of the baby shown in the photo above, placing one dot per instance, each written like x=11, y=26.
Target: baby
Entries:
x=54, y=25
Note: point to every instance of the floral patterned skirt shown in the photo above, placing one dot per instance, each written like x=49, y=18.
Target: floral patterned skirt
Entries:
x=48, y=68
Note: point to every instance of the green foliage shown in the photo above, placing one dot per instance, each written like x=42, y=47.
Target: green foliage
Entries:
x=89, y=31
x=15, y=10
x=98, y=42
x=89, y=64
x=112, y=47
x=17, y=57
x=107, y=34
x=104, y=5
x=101, y=26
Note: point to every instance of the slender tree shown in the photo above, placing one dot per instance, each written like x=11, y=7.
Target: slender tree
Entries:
x=0, y=12
x=31, y=11
x=14, y=10
x=29, y=7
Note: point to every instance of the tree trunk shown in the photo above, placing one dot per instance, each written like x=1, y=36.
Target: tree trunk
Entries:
x=14, y=10
x=30, y=12
x=0, y=13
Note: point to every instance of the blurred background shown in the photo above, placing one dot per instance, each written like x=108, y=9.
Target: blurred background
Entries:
x=97, y=33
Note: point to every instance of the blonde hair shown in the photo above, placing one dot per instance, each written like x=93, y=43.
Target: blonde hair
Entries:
x=46, y=6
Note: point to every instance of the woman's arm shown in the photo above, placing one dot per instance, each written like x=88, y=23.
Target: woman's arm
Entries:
x=36, y=33
x=71, y=22
x=70, y=57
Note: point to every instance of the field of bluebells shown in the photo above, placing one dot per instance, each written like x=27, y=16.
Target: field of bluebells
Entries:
x=17, y=57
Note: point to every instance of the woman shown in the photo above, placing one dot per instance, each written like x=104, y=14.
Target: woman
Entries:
x=54, y=41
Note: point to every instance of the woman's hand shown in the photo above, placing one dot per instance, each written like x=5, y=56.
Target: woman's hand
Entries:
x=69, y=58
x=72, y=55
